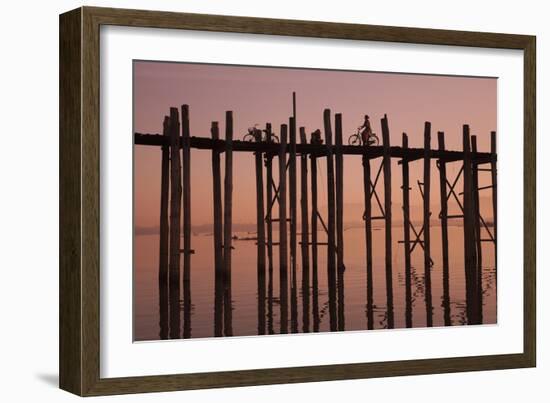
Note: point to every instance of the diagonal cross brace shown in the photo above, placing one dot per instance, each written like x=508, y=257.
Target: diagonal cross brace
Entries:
x=417, y=240
x=373, y=192
x=453, y=193
x=275, y=196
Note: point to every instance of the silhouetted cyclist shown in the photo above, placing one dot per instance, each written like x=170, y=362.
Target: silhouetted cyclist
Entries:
x=366, y=130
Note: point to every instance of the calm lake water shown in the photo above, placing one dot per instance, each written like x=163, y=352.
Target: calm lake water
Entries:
x=245, y=295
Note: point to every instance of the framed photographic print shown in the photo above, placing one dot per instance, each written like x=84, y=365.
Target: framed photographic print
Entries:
x=249, y=201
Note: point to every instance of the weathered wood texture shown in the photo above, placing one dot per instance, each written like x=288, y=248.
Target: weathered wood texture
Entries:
x=72, y=366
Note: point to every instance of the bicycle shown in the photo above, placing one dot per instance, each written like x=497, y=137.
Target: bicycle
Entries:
x=357, y=139
x=255, y=134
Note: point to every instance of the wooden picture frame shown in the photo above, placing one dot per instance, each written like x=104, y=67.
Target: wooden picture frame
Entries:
x=79, y=201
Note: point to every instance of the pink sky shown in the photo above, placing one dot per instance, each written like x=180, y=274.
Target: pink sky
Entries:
x=260, y=95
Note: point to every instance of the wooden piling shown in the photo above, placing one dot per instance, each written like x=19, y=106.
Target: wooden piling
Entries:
x=293, y=230
x=331, y=253
x=269, y=228
x=339, y=160
x=314, y=247
x=261, y=240
x=444, y=231
x=269, y=198
x=304, y=218
x=367, y=216
x=283, y=251
x=494, y=192
x=469, y=247
x=388, y=219
x=407, y=233
x=164, y=235
x=218, y=237
x=175, y=216
x=427, y=258
x=186, y=191
x=227, y=224
x=477, y=231
x=367, y=190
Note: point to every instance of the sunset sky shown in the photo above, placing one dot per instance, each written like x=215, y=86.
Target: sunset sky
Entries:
x=261, y=94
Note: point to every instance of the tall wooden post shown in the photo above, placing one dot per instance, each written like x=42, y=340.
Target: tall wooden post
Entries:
x=305, y=234
x=367, y=194
x=331, y=254
x=218, y=223
x=339, y=159
x=477, y=230
x=163, y=237
x=444, y=231
x=407, y=232
x=494, y=192
x=469, y=249
x=283, y=243
x=186, y=189
x=388, y=218
x=175, y=216
x=427, y=258
x=227, y=224
x=269, y=227
x=261, y=239
x=293, y=236
x=269, y=198
x=314, y=247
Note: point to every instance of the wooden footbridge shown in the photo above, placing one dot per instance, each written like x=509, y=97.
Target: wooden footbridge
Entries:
x=175, y=144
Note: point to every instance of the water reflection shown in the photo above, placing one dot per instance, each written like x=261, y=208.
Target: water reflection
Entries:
x=261, y=309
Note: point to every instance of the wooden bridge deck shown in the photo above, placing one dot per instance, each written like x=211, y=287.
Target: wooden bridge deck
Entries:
x=320, y=150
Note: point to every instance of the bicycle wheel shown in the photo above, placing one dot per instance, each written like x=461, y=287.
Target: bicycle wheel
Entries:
x=374, y=140
x=248, y=137
x=354, y=140
x=274, y=138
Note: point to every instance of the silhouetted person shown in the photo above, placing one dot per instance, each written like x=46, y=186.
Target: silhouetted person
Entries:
x=365, y=130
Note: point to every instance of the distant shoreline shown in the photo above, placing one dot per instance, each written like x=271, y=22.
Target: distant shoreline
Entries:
x=250, y=229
